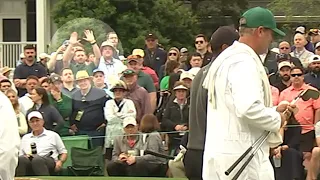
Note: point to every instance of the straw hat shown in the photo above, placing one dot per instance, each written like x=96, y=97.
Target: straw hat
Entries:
x=119, y=85
x=83, y=74
x=5, y=69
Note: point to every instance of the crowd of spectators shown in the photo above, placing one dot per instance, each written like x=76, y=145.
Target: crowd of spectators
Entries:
x=141, y=102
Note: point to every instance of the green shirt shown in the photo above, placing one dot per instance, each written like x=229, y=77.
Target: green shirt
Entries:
x=145, y=81
x=64, y=107
x=164, y=83
x=75, y=67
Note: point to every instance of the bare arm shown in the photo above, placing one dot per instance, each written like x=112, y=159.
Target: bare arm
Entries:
x=52, y=62
x=95, y=48
x=67, y=56
x=153, y=100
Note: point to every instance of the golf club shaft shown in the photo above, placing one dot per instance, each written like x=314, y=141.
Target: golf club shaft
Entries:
x=251, y=156
x=235, y=164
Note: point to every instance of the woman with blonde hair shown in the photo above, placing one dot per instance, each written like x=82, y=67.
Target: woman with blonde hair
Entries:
x=22, y=123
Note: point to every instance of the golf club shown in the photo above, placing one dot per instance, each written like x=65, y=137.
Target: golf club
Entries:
x=305, y=95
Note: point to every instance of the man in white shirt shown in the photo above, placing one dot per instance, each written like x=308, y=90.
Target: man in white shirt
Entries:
x=240, y=107
x=9, y=139
x=41, y=150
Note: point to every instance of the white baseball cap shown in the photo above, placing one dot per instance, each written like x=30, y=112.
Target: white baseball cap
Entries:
x=34, y=114
x=284, y=64
x=317, y=45
x=129, y=120
x=314, y=58
x=185, y=75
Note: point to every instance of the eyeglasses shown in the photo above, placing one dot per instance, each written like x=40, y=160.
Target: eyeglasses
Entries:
x=172, y=54
x=284, y=48
x=199, y=42
x=296, y=75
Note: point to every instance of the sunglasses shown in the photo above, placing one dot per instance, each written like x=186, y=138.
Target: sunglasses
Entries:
x=199, y=42
x=284, y=48
x=172, y=54
x=296, y=75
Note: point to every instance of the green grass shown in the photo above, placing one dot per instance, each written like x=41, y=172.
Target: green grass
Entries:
x=104, y=178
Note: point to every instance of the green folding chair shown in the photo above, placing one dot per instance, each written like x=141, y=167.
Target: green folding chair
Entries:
x=86, y=162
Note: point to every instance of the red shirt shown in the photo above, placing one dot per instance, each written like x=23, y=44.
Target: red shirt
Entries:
x=153, y=75
x=306, y=109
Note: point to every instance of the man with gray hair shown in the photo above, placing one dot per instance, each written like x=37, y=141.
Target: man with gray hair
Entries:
x=240, y=102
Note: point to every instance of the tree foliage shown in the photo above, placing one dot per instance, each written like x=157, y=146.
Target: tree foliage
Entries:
x=171, y=21
x=290, y=8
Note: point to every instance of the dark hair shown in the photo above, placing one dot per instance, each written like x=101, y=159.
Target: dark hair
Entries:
x=42, y=92
x=29, y=46
x=173, y=78
x=32, y=77
x=203, y=36
x=194, y=54
x=297, y=67
x=78, y=50
x=149, y=123
x=46, y=80
x=66, y=68
x=5, y=80
x=170, y=66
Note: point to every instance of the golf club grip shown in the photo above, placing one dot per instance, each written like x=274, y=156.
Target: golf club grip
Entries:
x=158, y=154
x=243, y=167
x=235, y=164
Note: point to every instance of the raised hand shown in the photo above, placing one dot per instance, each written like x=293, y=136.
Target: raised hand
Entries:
x=89, y=36
x=73, y=38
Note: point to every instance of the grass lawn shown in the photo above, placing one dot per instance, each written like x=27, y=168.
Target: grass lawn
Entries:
x=100, y=178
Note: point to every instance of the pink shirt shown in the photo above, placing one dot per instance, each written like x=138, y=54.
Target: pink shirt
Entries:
x=275, y=95
x=306, y=109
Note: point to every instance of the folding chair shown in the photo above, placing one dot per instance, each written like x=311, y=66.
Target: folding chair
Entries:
x=86, y=162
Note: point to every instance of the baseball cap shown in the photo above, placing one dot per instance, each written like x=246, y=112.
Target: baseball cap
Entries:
x=223, y=35
x=314, y=32
x=151, y=36
x=314, y=58
x=128, y=72
x=138, y=52
x=22, y=55
x=284, y=64
x=259, y=16
x=180, y=87
x=34, y=114
x=185, y=75
x=129, y=121
x=282, y=56
x=317, y=45
x=55, y=78
x=97, y=70
x=301, y=30
x=183, y=50
x=132, y=58
x=44, y=55
x=194, y=71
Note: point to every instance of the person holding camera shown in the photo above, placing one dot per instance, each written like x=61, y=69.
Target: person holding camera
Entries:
x=42, y=151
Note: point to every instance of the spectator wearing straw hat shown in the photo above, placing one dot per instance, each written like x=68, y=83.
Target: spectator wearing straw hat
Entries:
x=115, y=111
x=88, y=103
x=313, y=76
x=111, y=66
x=176, y=115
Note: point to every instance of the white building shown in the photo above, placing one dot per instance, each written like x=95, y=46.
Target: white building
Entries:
x=24, y=22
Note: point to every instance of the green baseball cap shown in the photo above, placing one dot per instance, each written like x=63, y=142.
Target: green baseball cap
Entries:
x=259, y=16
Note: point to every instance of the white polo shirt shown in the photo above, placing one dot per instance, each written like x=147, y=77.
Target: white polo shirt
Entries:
x=45, y=142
